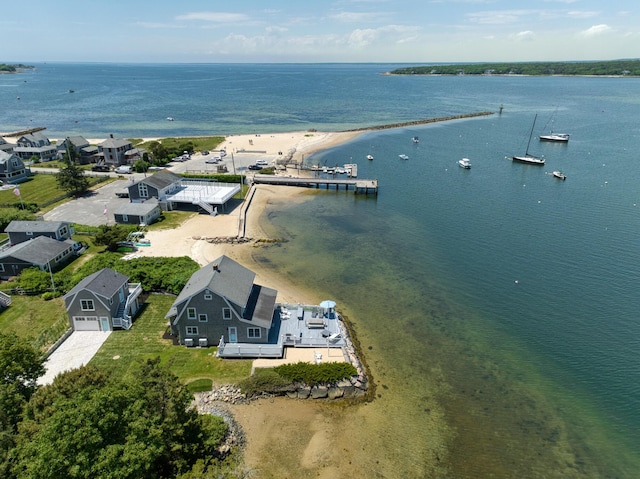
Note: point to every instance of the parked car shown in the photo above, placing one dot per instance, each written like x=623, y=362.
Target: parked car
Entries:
x=262, y=163
x=223, y=153
x=255, y=167
x=215, y=159
x=100, y=168
x=124, y=170
x=204, y=153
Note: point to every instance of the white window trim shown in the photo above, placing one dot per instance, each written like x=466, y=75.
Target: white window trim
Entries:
x=202, y=318
x=191, y=330
x=250, y=330
x=88, y=302
x=227, y=312
x=191, y=313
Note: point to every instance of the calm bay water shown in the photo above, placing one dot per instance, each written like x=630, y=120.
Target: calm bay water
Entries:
x=507, y=296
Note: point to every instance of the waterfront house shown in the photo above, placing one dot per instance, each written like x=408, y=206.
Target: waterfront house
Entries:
x=138, y=213
x=12, y=169
x=103, y=301
x=221, y=301
x=174, y=192
x=6, y=147
x=35, y=145
x=42, y=252
x=20, y=231
x=113, y=151
x=85, y=152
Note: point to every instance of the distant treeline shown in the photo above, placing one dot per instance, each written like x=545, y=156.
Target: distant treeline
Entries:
x=604, y=68
x=6, y=68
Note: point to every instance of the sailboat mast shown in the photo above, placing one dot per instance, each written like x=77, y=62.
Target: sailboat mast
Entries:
x=531, y=134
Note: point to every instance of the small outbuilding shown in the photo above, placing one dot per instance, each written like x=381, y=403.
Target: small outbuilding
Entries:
x=138, y=213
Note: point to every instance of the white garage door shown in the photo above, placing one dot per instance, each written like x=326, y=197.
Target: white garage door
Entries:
x=86, y=323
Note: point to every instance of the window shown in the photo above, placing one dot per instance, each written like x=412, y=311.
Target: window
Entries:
x=208, y=296
x=226, y=314
x=192, y=330
x=87, y=305
x=125, y=218
x=202, y=318
x=191, y=313
x=253, y=333
x=143, y=191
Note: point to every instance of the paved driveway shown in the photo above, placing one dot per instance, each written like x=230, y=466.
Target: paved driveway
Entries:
x=76, y=351
x=89, y=210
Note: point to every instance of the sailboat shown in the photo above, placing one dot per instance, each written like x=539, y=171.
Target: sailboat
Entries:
x=528, y=158
x=558, y=137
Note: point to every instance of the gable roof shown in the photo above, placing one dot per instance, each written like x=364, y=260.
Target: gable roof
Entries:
x=105, y=282
x=160, y=180
x=18, y=226
x=40, y=250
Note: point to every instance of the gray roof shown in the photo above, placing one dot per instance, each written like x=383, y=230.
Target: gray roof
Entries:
x=230, y=280
x=160, y=180
x=39, y=250
x=4, y=156
x=17, y=226
x=114, y=143
x=136, y=209
x=105, y=282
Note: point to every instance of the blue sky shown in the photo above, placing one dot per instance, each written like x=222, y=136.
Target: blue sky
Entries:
x=397, y=31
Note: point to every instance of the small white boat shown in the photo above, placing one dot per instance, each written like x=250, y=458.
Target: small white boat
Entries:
x=464, y=163
x=369, y=157
x=170, y=118
x=403, y=157
x=560, y=175
x=415, y=139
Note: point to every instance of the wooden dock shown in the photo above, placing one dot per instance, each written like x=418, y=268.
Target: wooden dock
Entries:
x=360, y=186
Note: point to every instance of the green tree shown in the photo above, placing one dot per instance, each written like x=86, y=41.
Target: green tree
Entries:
x=110, y=236
x=20, y=367
x=71, y=179
x=87, y=425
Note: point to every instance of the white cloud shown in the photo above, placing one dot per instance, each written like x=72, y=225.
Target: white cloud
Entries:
x=525, y=36
x=356, y=17
x=582, y=14
x=596, y=30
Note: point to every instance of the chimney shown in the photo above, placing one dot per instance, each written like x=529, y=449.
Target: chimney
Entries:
x=215, y=267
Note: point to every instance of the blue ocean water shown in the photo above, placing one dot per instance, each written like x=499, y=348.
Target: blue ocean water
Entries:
x=518, y=288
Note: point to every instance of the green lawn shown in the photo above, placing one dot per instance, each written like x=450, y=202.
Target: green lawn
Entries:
x=145, y=340
x=171, y=220
x=42, y=322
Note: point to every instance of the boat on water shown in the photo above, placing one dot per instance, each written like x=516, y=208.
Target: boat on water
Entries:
x=351, y=169
x=464, y=163
x=170, y=118
x=527, y=157
x=560, y=175
x=369, y=157
x=403, y=157
x=415, y=139
x=559, y=137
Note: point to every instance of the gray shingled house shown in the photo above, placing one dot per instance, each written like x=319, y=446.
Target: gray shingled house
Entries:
x=20, y=231
x=37, y=145
x=138, y=213
x=41, y=252
x=221, y=300
x=12, y=169
x=158, y=186
x=113, y=150
x=103, y=301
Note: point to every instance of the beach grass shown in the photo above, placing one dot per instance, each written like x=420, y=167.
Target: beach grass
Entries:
x=148, y=339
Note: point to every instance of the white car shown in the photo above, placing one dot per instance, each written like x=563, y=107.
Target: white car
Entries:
x=262, y=163
x=215, y=159
x=124, y=170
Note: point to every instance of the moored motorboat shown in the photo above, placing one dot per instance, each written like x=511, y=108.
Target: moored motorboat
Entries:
x=403, y=157
x=560, y=175
x=369, y=157
x=464, y=163
x=415, y=139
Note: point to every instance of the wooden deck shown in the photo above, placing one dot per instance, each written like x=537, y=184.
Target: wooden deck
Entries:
x=358, y=185
x=299, y=326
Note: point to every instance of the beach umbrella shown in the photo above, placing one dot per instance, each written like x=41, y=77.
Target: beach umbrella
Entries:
x=328, y=304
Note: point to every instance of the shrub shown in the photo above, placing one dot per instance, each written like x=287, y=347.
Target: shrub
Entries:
x=264, y=381
x=49, y=295
x=313, y=374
